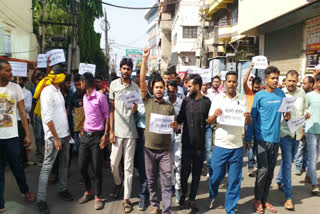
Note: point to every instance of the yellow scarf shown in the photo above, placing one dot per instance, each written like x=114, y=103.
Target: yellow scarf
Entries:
x=48, y=80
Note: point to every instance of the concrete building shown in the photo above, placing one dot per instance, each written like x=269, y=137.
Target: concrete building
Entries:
x=222, y=32
x=16, y=30
x=151, y=16
x=288, y=31
x=166, y=12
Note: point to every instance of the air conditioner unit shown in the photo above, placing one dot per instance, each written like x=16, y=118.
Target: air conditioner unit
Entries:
x=185, y=59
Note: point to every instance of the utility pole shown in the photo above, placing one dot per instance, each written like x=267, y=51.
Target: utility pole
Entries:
x=201, y=61
x=107, y=48
x=75, y=31
x=43, y=27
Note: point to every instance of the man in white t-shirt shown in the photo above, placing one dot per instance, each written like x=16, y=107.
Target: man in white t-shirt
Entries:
x=228, y=148
x=11, y=98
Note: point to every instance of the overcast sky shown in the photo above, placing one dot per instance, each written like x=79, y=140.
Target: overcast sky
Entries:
x=128, y=27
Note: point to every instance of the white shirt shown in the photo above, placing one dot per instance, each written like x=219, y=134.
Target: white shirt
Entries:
x=176, y=104
x=228, y=137
x=53, y=109
x=27, y=102
x=9, y=97
x=180, y=93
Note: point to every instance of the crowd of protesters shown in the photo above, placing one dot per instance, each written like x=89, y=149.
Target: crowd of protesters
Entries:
x=76, y=118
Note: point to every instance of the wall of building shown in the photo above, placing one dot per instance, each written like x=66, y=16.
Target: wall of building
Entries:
x=16, y=21
x=253, y=13
x=187, y=15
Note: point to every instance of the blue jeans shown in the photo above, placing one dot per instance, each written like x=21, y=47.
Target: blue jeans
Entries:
x=289, y=147
x=251, y=160
x=220, y=158
x=10, y=151
x=301, y=159
x=313, y=144
x=209, y=147
x=144, y=193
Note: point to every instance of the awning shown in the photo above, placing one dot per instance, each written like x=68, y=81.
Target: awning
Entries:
x=236, y=38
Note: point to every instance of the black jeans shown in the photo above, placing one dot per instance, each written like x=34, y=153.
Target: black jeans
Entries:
x=10, y=151
x=267, y=154
x=90, y=149
x=191, y=161
x=22, y=135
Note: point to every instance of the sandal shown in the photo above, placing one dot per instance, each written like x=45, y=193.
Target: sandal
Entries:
x=258, y=207
x=270, y=207
x=127, y=206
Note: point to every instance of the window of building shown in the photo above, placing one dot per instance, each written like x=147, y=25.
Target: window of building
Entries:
x=190, y=32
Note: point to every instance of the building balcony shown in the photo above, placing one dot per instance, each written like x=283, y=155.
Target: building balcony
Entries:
x=213, y=6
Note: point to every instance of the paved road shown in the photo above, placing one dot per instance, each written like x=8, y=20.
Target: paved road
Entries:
x=304, y=201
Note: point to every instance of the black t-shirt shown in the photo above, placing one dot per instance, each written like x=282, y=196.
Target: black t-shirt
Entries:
x=194, y=114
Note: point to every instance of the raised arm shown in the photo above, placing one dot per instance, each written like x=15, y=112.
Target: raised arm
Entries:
x=245, y=79
x=143, y=72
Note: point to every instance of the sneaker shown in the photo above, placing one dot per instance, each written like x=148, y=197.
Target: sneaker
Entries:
x=142, y=205
x=85, y=198
x=98, y=204
x=177, y=195
x=155, y=211
x=315, y=189
x=116, y=191
x=251, y=172
x=29, y=197
x=65, y=195
x=43, y=207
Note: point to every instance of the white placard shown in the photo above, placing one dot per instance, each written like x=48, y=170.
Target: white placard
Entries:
x=42, y=61
x=19, y=69
x=129, y=99
x=161, y=124
x=56, y=56
x=287, y=104
x=206, y=75
x=83, y=68
x=260, y=62
x=295, y=124
x=232, y=116
x=223, y=75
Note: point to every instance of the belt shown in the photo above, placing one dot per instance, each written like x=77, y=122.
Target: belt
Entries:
x=93, y=133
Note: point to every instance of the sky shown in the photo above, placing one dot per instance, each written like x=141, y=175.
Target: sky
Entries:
x=127, y=27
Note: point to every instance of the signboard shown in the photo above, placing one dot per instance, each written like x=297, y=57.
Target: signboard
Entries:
x=260, y=62
x=160, y=124
x=56, y=56
x=313, y=42
x=42, y=61
x=136, y=55
x=287, y=104
x=204, y=73
x=131, y=98
x=83, y=68
x=19, y=69
x=232, y=116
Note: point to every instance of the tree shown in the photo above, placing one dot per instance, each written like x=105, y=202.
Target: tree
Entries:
x=88, y=39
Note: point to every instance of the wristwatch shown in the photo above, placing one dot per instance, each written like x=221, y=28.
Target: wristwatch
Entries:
x=106, y=134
